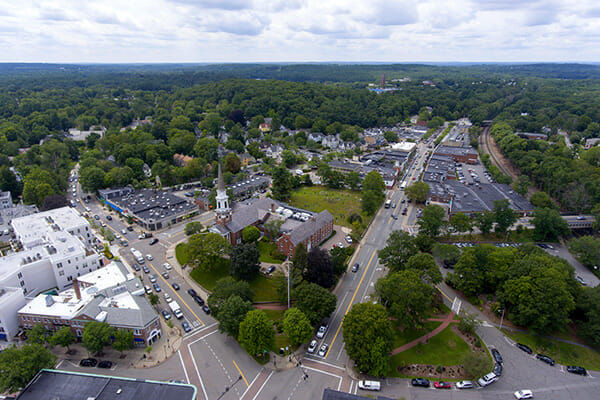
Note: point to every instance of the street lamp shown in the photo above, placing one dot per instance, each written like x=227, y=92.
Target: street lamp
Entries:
x=501, y=319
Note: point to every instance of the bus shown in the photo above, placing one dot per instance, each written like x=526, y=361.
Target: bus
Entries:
x=403, y=185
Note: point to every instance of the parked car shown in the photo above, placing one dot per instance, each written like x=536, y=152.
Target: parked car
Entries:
x=168, y=298
x=199, y=300
x=523, y=394
x=497, y=356
x=152, y=278
x=270, y=270
x=105, y=364
x=442, y=385
x=487, y=379
x=349, y=239
x=369, y=385
x=88, y=362
x=166, y=314
x=576, y=370
x=312, y=346
x=321, y=331
x=175, y=286
x=206, y=309
x=186, y=327
x=355, y=267
x=525, y=348
x=419, y=382
x=464, y=385
x=167, y=266
x=165, y=275
x=497, y=369
x=153, y=241
x=108, y=218
x=323, y=350
x=148, y=289
x=192, y=292
x=136, y=267
x=581, y=280
x=145, y=269
x=545, y=359
x=157, y=288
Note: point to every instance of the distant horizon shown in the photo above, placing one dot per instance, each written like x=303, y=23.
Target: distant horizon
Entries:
x=437, y=63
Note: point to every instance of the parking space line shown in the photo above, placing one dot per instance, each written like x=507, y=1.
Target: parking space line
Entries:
x=240, y=371
x=175, y=292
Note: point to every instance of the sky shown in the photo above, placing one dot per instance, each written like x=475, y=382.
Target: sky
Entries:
x=199, y=31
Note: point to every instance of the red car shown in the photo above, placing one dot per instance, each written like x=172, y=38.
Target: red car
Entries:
x=442, y=385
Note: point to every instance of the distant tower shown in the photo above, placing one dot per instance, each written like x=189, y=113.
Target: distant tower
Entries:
x=223, y=211
x=382, y=80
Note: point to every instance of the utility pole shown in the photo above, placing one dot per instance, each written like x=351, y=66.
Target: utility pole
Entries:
x=502, y=319
x=288, y=267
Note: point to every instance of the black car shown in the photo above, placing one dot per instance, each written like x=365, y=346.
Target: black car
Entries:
x=105, y=364
x=166, y=314
x=206, y=309
x=497, y=356
x=355, y=267
x=419, y=382
x=186, y=326
x=136, y=267
x=394, y=216
x=497, y=369
x=145, y=269
x=153, y=241
x=88, y=362
x=270, y=269
x=576, y=370
x=542, y=245
x=130, y=228
x=199, y=300
x=175, y=286
x=545, y=359
x=165, y=275
x=192, y=292
x=109, y=218
x=525, y=348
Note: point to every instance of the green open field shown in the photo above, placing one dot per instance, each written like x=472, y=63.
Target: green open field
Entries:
x=408, y=335
x=339, y=202
x=562, y=353
x=266, y=247
x=264, y=288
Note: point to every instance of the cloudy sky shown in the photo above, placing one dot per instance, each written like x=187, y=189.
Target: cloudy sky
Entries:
x=299, y=30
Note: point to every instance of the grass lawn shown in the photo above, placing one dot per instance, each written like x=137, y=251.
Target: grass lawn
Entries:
x=267, y=247
x=340, y=203
x=264, y=288
x=182, y=258
x=562, y=353
x=408, y=335
x=445, y=349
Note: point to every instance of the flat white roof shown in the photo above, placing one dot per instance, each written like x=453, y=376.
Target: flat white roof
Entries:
x=404, y=146
x=30, y=228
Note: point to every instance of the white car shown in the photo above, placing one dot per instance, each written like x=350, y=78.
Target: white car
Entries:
x=348, y=239
x=464, y=385
x=149, y=257
x=323, y=350
x=167, y=266
x=369, y=385
x=312, y=346
x=321, y=331
x=523, y=394
x=168, y=298
x=124, y=231
x=487, y=379
x=152, y=278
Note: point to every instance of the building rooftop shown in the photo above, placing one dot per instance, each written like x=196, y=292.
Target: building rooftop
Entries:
x=249, y=184
x=468, y=199
x=63, y=385
x=30, y=229
x=404, y=146
x=455, y=150
x=150, y=205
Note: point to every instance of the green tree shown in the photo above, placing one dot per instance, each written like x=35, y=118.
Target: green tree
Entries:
x=399, y=247
x=63, y=337
x=204, y=249
x=123, y=340
x=588, y=315
x=245, y=261
x=425, y=264
x=250, y=234
x=297, y=326
x=273, y=226
x=154, y=299
x=96, y=335
x=485, y=221
x=475, y=364
x=505, y=216
x=232, y=163
x=417, y=191
x=191, y=228
x=406, y=296
x=391, y=137
x=352, y=179
x=461, y=223
x=446, y=252
x=38, y=334
x=541, y=200
x=549, y=224
x=20, y=365
x=319, y=268
x=91, y=179
x=227, y=287
x=368, y=336
x=372, y=192
x=256, y=332
x=230, y=313
x=315, y=302
x=206, y=147
x=432, y=220
x=282, y=183
x=587, y=250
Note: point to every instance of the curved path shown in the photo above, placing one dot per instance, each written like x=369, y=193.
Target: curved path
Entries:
x=446, y=321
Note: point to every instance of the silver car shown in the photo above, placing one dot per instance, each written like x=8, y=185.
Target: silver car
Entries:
x=323, y=350
x=312, y=346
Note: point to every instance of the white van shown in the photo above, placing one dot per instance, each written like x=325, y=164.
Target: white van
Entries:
x=487, y=379
x=369, y=385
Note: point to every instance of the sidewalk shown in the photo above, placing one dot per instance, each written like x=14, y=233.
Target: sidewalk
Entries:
x=449, y=319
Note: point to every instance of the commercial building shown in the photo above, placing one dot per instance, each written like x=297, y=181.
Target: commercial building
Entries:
x=111, y=295
x=65, y=385
x=247, y=187
x=50, y=250
x=5, y=200
x=151, y=209
x=459, y=154
x=439, y=169
x=534, y=136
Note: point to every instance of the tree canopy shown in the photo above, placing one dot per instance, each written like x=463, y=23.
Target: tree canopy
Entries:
x=20, y=365
x=256, y=332
x=315, y=302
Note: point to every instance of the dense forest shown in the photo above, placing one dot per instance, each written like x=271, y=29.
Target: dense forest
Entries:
x=190, y=106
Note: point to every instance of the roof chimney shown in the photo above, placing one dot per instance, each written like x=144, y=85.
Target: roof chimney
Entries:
x=77, y=289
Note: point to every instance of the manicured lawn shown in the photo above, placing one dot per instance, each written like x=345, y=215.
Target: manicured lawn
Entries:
x=266, y=248
x=264, y=288
x=180, y=254
x=408, y=335
x=340, y=203
x=562, y=353
x=445, y=349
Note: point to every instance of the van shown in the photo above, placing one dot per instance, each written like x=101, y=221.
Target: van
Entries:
x=487, y=379
x=369, y=385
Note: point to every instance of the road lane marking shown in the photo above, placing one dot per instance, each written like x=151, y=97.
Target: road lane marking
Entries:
x=351, y=301
x=197, y=372
x=176, y=294
x=187, y=378
x=263, y=385
x=240, y=371
x=251, y=383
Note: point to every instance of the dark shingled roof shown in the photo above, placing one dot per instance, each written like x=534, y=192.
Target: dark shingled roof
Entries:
x=63, y=385
x=304, y=231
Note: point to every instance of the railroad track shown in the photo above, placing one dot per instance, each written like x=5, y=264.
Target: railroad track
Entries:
x=484, y=141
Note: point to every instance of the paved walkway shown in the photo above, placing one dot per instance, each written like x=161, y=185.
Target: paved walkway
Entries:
x=449, y=319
